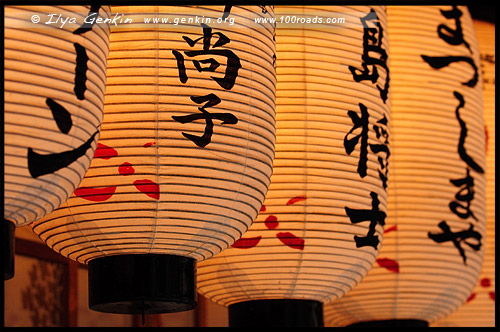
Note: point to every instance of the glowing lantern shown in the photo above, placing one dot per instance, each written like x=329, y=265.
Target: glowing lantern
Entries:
x=321, y=225
x=479, y=309
x=54, y=82
x=431, y=259
x=185, y=156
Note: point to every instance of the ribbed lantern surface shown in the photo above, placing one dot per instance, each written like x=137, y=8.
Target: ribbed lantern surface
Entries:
x=436, y=219
x=320, y=228
x=54, y=82
x=187, y=144
x=479, y=309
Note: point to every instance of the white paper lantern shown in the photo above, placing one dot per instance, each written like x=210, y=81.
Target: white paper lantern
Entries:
x=322, y=221
x=431, y=258
x=54, y=82
x=185, y=155
x=479, y=309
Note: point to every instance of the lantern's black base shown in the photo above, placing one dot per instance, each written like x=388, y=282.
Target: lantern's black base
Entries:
x=276, y=313
x=8, y=249
x=392, y=323
x=142, y=284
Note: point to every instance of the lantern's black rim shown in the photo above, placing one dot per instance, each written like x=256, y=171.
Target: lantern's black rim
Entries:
x=392, y=323
x=276, y=313
x=8, y=235
x=142, y=284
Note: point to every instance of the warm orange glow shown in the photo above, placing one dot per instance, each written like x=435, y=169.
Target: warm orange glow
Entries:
x=302, y=245
x=185, y=154
x=427, y=177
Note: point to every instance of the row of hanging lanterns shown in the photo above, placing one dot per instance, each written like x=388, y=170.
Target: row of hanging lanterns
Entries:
x=378, y=138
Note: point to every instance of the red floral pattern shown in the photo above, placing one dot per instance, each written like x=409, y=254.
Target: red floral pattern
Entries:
x=484, y=283
x=271, y=222
x=148, y=187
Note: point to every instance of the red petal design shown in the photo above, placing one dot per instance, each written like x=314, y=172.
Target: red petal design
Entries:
x=296, y=199
x=291, y=240
x=271, y=222
x=148, y=187
x=392, y=228
x=388, y=264
x=263, y=208
x=104, y=151
x=485, y=282
x=486, y=138
x=95, y=194
x=471, y=297
x=148, y=144
x=492, y=295
x=126, y=169
x=246, y=243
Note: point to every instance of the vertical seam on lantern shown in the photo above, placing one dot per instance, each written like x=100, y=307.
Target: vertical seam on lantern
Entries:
x=250, y=115
x=248, y=137
x=70, y=213
x=306, y=135
x=394, y=182
x=77, y=224
x=156, y=119
x=225, y=256
x=194, y=250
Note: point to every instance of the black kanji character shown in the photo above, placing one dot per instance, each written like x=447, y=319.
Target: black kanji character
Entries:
x=457, y=238
x=233, y=61
x=211, y=100
x=449, y=35
x=374, y=216
x=372, y=44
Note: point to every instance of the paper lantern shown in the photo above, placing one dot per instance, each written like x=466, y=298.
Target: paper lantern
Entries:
x=184, y=159
x=54, y=81
x=434, y=241
x=321, y=225
x=479, y=309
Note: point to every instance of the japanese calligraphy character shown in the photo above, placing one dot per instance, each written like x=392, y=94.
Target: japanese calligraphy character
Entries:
x=457, y=238
x=438, y=62
x=80, y=71
x=372, y=45
x=374, y=216
x=211, y=100
x=465, y=194
x=227, y=11
x=362, y=138
x=87, y=26
x=233, y=61
x=381, y=131
x=39, y=164
x=263, y=9
x=60, y=115
x=463, y=135
x=449, y=35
